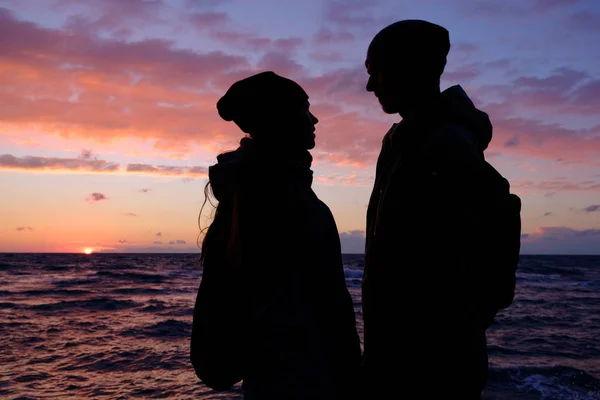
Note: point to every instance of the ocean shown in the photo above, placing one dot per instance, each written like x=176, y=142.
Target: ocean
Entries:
x=117, y=326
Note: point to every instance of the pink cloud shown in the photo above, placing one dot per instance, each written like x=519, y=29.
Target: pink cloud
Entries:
x=23, y=228
x=465, y=48
x=167, y=170
x=351, y=140
x=119, y=86
x=173, y=146
x=546, y=140
x=555, y=185
x=83, y=86
x=352, y=179
x=130, y=214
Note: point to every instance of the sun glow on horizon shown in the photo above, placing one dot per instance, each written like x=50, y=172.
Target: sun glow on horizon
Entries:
x=88, y=250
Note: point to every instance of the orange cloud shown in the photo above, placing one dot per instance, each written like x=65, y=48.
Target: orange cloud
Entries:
x=81, y=85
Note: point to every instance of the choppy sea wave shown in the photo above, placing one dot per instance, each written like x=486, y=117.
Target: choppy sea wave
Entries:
x=112, y=326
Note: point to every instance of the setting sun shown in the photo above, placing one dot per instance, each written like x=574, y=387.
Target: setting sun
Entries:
x=87, y=250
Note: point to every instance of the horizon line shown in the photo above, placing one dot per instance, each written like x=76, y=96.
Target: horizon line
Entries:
x=198, y=253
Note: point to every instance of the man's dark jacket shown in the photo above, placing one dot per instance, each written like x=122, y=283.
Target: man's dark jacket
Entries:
x=418, y=290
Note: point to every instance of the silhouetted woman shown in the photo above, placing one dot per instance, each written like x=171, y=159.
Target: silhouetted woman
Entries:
x=272, y=309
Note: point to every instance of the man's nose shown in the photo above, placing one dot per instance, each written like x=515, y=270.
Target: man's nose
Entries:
x=370, y=84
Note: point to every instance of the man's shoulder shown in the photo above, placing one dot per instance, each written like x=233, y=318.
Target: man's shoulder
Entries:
x=452, y=143
x=452, y=133
x=391, y=131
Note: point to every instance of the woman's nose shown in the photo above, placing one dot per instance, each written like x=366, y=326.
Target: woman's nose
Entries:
x=314, y=119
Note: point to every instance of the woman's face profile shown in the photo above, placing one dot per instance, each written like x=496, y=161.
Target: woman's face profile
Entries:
x=301, y=126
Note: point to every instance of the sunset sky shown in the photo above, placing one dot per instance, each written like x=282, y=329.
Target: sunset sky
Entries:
x=108, y=120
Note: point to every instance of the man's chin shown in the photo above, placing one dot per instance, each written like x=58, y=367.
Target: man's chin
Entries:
x=388, y=108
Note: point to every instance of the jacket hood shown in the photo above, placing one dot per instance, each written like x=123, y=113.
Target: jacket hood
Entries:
x=250, y=161
x=458, y=108
x=226, y=173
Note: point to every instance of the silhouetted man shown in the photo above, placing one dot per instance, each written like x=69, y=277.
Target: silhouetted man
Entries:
x=424, y=333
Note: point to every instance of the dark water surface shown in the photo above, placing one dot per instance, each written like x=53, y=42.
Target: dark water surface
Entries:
x=117, y=326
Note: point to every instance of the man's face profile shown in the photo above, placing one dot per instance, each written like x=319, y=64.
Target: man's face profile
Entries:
x=385, y=83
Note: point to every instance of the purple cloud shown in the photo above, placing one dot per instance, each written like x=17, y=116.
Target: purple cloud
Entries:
x=326, y=36
x=512, y=142
x=350, y=14
x=96, y=197
x=85, y=154
x=209, y=19
x=561, y=240
x=592, y=208
x=28, y=163
x=588, y=21
x=550, y=5
x=86, y=164
x=353, y=242
x=24, y=228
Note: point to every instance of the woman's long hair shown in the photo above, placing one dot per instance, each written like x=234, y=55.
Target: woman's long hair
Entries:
x=225, y=232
